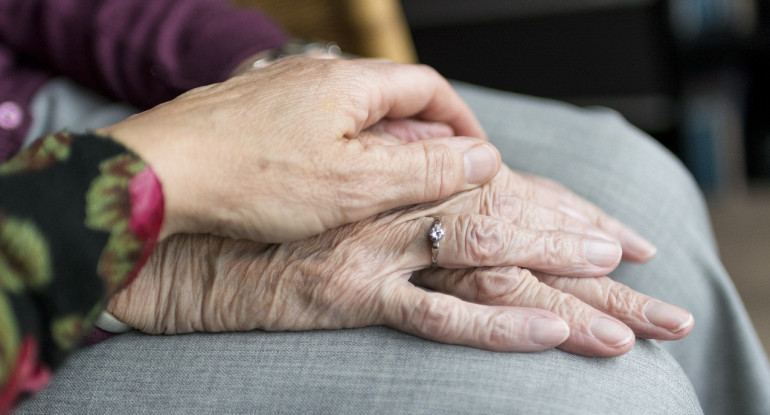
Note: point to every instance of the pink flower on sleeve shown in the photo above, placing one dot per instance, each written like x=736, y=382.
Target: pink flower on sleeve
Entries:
x=28, y=376
x=147, y=208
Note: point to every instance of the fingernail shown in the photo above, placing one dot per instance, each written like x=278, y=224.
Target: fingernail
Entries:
x=601, y=253
x=633, y=242
x=611, y=332
x=667, y=316
x=548, y=331
x=480, y=164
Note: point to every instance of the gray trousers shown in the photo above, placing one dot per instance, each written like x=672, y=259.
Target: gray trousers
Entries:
x=720, y=368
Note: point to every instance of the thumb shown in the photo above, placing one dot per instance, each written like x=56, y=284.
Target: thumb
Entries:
x=433, y=169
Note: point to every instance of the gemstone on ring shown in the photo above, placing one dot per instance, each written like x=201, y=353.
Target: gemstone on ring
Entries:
x=436, y=232
x=435, y=235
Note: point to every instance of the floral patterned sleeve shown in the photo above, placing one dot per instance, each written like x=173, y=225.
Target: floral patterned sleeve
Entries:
x=79, y=216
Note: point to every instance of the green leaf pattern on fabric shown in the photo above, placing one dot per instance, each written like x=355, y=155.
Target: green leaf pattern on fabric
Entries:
x=10, y=340
x=41, y=154
x=94, y=313
x=25, y=260
x=44, y=310
x=108, y=208
x=67, y=331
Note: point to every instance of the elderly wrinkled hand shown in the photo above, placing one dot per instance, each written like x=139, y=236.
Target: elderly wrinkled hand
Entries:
x=537, y=202
x=370, y=273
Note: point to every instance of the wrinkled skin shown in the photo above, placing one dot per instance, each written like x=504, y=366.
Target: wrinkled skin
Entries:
x=369, y=273
x=372, y=272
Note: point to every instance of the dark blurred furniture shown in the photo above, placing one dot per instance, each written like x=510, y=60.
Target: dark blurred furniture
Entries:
x=689, y=72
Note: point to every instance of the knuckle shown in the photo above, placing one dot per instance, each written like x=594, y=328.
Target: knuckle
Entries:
x=483, y=239
x=440, y=172
x=620, y=300
x=507, y=206
x=501, y=330
x=491, y=286
x=534, y=217
x=558, y=249
x=504, y=285
x=563, y=222
x=559, y=301
x=562, y=303
x=526, y=190
x=575, y=312
x=430, y=316
x=460, y=282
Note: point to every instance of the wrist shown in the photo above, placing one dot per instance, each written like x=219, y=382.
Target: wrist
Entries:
x=146, y=150
x=296, y=47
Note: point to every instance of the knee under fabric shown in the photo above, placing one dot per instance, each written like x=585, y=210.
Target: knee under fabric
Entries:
x=380, y=370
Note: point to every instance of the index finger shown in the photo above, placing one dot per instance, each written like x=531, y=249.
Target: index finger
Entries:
x=553, y=195
x=447, y=319
x=416, y=91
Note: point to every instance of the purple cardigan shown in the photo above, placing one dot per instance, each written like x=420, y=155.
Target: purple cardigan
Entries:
x=143, y=52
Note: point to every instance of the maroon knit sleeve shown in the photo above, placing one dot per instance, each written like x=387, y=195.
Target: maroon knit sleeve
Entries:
x=143, y=52
x=18, y=85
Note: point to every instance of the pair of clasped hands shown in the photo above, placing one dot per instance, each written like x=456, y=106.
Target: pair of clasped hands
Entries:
x=300, y=196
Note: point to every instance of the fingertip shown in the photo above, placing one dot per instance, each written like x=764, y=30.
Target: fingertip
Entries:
x=668, y=316
x=481, y=164
x=635, y=247
x=611, y=333
x=602, y=337
x=419, y=91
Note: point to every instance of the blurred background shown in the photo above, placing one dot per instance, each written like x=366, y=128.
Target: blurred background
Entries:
x=692, y=73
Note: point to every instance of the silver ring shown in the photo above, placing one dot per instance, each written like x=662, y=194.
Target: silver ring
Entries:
x=435, y=236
